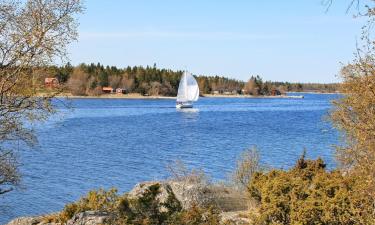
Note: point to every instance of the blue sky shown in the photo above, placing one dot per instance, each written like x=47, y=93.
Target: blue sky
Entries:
x=291, y=40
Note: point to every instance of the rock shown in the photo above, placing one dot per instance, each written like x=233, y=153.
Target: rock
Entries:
x=235, y=218
x=84, y=218
x=195, y=193
x=36, y=220
x=188, y=193
x=25, y=221
x=90, y=218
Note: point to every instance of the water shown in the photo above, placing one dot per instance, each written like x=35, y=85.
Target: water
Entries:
x=117, y=142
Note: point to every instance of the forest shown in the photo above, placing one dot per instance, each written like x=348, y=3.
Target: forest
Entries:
x=89, y=79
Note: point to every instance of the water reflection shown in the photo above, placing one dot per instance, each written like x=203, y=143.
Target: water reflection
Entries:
x=188, y=110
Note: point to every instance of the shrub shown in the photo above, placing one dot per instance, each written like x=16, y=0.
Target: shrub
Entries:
x=144, y=210
x=99, y=200
x=147, y=209
x=196, y=216
x=247, y=165
x=308, y=194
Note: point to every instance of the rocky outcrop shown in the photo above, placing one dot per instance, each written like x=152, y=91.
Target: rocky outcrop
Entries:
x=84, y=218
x=231, y=202
x=235, y=218
x=201, y=194
x=90, y=218
x=186, y=193
x=26, y=221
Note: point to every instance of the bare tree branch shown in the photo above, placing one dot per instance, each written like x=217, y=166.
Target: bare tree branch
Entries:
x=33, y=35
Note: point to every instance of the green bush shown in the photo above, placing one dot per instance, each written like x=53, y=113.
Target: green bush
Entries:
x=308, y=194
x=99, y=200
x=148, y=210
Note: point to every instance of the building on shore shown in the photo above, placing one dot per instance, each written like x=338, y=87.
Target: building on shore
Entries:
x=275, y=92
x=51, y=82
x=107, y=90
x=120, y=91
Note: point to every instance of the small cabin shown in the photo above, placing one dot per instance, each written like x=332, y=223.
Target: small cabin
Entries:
x=215, y=92
x=120, y=91
x=275, y=92
x=51, y=82
x=107, y=90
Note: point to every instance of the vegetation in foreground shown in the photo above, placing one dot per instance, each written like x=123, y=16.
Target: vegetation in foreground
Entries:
x=147, y=209
x=307, y=193
x=33, y=34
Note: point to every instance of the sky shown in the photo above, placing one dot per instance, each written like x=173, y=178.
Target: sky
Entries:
x=290, y=40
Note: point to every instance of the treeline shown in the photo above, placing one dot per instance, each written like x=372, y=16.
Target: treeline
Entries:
x=256, y=86
x=89, y=79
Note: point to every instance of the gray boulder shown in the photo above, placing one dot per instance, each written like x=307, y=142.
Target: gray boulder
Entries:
x=36, y=220
x=90, y=218
x=235, y=218
x=187, y=192
x=195, y=193
x=84, y=218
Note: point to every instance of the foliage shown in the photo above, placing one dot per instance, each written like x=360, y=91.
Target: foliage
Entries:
x=309, y=194
x=99, y=200
x=34, y=33
x=144, y=210
x=196, y=216
x=9, y=175
x=179, y=172
x=247, y=165
x=149, y=210
x=154, y=81
x=354, y=113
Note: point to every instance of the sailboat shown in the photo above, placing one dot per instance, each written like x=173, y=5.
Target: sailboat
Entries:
x=188, y=91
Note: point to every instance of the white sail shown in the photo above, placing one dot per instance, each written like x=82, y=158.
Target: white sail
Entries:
x=188, y=90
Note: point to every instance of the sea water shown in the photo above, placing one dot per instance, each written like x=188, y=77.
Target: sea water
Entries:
x=106, y=143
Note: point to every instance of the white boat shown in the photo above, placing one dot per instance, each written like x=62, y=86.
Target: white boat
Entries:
x=188, y=91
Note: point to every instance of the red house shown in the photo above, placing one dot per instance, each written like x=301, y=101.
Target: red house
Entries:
x=107, y=90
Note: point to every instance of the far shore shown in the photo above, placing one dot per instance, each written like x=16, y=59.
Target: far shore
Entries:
x=139, y=96
x=116, y=96
x=251, y=96
x=316, y=92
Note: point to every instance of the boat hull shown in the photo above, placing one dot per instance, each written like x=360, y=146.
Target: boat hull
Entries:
x=184, y=105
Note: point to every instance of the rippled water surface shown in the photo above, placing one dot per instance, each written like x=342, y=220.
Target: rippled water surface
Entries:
x=118, y=142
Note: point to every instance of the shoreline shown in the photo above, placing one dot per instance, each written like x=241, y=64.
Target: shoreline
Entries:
x=252, y=96
x=138, y=96
x=113, y=96
x=312, y=92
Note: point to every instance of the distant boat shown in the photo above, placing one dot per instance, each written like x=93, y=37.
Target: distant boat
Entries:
x=188, y=91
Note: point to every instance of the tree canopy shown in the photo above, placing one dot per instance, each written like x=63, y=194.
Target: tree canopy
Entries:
x=33, y=34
